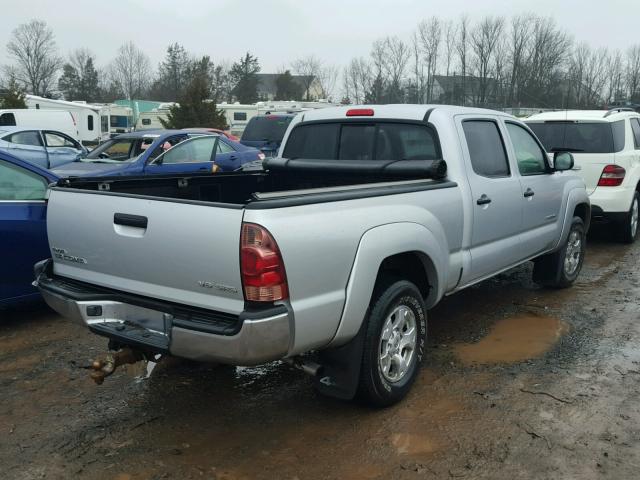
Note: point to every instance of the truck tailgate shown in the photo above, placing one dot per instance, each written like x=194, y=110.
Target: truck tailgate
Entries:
x=182, y=252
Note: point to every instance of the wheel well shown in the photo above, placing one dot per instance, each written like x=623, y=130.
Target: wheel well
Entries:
x=582, y=210
x=413, y=266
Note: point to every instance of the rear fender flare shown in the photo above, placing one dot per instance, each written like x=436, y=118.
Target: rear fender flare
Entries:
x=575, y=197
x=375, y=246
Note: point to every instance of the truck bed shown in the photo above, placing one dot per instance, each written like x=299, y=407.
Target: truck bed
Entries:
x=305, y=179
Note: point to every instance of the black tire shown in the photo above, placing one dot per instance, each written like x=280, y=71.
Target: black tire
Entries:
x=550, y=270
x=391, y=296
x=628, y=228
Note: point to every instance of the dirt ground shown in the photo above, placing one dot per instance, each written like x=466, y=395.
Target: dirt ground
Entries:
x=519, y=382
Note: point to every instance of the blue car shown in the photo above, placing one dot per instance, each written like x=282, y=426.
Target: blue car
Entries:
x=45, y=148
x=265, y=132
x=23, y=229
x=161, y=152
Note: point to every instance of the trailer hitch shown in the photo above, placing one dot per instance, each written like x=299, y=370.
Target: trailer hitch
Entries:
x=102, y=368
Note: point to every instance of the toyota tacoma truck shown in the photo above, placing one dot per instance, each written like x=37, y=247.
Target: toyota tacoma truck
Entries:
x=330, y=258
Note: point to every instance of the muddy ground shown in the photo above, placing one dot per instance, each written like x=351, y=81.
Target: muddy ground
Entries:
x=519, y=382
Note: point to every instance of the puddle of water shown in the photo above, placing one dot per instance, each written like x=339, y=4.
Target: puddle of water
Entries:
x=412, y=444
x=514, y=339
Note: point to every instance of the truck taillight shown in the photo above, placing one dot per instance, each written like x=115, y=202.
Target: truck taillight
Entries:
x=263, y=275
x=612, y=176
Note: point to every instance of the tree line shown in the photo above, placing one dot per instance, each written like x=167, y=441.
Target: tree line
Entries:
x=524, y=60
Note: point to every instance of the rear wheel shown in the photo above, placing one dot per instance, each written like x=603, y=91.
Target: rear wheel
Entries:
x=628, y=229
x=394, y=343
x=561, y=268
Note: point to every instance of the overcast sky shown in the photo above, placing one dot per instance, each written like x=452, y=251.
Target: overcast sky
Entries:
x=278, y=31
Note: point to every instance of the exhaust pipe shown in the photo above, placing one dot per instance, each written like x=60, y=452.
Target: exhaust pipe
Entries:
x=310, y=368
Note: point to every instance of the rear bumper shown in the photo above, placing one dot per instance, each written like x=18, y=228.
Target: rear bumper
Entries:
x=609, y=203
x=251, y=338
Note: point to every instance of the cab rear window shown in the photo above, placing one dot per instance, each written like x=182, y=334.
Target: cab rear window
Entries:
x=580, y=137
x=362, y=141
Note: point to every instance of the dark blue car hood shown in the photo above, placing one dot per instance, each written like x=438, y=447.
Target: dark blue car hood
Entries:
x=87, y=169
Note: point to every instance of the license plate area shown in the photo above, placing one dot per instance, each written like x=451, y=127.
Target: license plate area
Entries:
x=129, y=324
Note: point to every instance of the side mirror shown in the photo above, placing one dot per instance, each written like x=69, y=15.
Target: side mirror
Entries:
x=562, y=161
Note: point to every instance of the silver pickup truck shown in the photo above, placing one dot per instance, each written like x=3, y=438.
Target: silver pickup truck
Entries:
x=328, y=259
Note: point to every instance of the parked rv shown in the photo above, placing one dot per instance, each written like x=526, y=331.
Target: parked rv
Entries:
x=93, y=122
x=40, y=119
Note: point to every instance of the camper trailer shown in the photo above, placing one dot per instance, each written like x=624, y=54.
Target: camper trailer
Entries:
x=40, y=119
x=93, y=121
x=238, y=115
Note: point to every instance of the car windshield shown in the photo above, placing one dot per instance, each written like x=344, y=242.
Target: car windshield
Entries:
x=582, y=137
x=266, y=129
x=119, y=150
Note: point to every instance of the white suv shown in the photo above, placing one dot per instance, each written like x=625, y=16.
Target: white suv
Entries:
x=606, y=149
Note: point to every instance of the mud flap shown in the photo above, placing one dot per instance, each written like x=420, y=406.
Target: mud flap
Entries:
x=340, y=374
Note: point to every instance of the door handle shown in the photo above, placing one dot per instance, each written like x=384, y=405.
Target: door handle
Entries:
x=483, y=200
x=137, y=221
x=528, y=193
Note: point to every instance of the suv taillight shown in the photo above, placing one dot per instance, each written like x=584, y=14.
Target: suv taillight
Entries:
x=263, y=275
x=612, y=176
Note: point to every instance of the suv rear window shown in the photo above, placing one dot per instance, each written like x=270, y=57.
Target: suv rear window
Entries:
x=266, y=129
x=362, y=141
x=581, y=137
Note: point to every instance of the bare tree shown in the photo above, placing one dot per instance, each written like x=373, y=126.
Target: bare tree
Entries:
x=327, y=79
x=450, y=34
x=462, y=46
x=357, y=79
x=549, y=50
x=615, y=82
x=394, y=66
x=33, y=48
x=419, y=81
x=131, y=71
x=518, y=43
x=484, y=39
x=633, y=73
x=430, y=33
x=309, y=68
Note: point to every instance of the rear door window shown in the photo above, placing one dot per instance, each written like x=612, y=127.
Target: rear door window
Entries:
x=31, y=138
x=635, y=126
x=193, y=150
x=486, y=149
x=362, y=141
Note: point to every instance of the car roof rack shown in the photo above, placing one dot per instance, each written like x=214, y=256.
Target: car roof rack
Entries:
x=618, y=110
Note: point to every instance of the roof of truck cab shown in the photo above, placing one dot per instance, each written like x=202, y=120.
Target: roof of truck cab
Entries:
x=395, y=111
x=597, y=115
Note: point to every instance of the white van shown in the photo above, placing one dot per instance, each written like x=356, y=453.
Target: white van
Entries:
x=40, y=119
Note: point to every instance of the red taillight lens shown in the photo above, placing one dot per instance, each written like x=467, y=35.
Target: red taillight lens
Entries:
x=360, y=112
x=612, y=176
x=263, y=275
